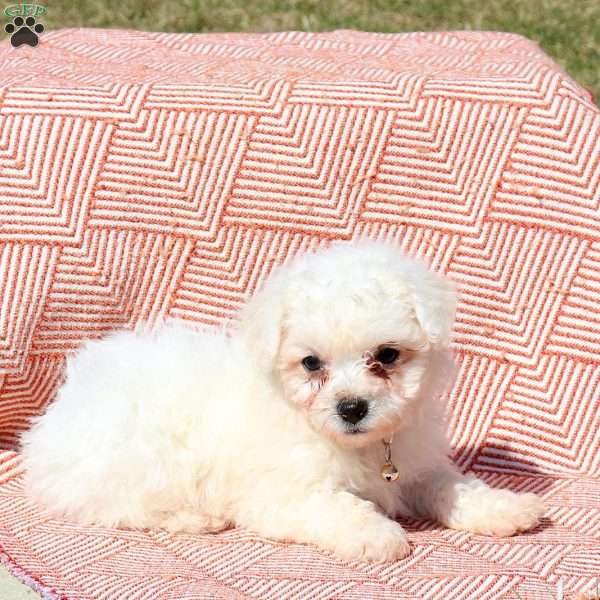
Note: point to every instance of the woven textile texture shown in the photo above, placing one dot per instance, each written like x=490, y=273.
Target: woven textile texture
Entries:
x=146, y=175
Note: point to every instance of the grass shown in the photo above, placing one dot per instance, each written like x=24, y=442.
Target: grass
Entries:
x=569, y=30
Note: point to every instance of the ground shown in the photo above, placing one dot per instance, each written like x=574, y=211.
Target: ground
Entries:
x=13, y=589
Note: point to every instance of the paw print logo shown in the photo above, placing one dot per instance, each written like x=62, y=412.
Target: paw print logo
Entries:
x=24, y=31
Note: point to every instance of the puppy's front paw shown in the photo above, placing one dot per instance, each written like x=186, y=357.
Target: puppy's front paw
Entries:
x=186, y=521
x=497, y=512
x=376, y=539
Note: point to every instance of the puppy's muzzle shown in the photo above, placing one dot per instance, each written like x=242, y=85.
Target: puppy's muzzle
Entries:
x=352, y=410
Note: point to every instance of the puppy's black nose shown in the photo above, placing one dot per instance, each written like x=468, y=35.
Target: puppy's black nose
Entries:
x=352, y=410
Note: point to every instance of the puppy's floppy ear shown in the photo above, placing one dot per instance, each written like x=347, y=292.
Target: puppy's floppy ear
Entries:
x=261, y=323
x=434, y=299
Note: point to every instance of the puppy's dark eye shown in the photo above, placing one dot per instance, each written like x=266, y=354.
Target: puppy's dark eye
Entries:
x=387, y=356
x=311, y=363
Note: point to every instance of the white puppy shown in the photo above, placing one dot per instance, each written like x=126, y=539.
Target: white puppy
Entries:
x=283, y=428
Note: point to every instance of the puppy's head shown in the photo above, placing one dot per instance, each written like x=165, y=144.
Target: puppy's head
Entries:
x=355, y=335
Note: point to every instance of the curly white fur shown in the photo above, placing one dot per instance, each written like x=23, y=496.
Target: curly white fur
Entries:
x=194, y=430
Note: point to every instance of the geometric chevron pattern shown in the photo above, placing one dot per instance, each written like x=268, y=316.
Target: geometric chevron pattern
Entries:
x=65, y=561
x=152, y=175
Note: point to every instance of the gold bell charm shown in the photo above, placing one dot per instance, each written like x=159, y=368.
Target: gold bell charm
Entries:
x=388, y=470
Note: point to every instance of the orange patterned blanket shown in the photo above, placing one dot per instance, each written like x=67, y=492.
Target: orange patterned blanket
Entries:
x=145, y=175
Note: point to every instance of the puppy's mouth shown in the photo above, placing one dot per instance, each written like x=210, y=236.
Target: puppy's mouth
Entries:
x=355, y=430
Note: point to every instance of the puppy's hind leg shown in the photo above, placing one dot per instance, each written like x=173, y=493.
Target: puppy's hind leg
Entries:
x=464, y=502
